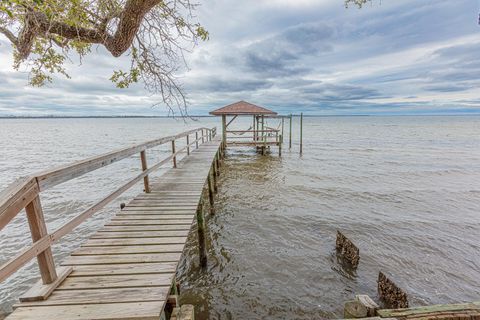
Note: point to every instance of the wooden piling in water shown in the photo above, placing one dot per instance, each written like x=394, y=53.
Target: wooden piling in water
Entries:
x=347, y=250
x=210, y=192
x=202, y=249
x=390, y=293
x=290, y=134
x=215, y=186
x=217, y=164
x=280, y=146
x=301, y=133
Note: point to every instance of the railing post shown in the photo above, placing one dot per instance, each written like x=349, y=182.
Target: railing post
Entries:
x=174, y=156
x=146, y=183
x=196, y=139
x=38, y=229
x=201, y=234
x=188, y=144
x=203, y=137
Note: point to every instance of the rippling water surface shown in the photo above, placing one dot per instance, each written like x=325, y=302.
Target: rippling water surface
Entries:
x=406, y=190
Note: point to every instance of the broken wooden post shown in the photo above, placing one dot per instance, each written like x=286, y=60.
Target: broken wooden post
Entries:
x=362, y=307
x=201, y=235
x=122, y=205
x=185, y=312
x=368, y=303
x=353, y=310
x=349, y=252
x=390, y=293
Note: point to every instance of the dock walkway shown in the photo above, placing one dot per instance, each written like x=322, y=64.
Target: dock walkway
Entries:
x=126, y=270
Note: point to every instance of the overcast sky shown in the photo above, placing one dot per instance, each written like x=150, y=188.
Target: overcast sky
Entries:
x=315, y=56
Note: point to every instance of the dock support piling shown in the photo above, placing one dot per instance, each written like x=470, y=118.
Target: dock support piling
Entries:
x=146, y=183
x=301, y=133
x=188, y=144
x=214, y=172
x=217, y=165
x=280, y=146
x=174, y=156
x=201, y=235
x=38, y=230
x=290, y=134
x=210, y=192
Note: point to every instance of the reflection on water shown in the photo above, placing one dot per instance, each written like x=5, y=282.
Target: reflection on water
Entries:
x=405, y=190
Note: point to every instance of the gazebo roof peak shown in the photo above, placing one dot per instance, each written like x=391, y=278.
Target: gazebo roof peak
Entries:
x=242, y=108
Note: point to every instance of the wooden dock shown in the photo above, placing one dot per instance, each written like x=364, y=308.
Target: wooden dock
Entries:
x=126, y=270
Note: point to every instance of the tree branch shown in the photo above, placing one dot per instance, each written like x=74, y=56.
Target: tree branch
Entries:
x=130, y=19
x=9, y=35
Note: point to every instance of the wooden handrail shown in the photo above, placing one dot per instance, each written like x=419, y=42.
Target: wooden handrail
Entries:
x=25, y=193
x=244, y=131
x=65, y=173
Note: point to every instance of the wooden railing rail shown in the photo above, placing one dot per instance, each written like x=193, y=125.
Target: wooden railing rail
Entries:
x=25, y=194
x=259, y=131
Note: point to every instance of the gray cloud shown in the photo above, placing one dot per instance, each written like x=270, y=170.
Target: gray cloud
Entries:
x=279, y=55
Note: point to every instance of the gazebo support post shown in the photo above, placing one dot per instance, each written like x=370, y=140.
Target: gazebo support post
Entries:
x=253, y=128
x=224, y=131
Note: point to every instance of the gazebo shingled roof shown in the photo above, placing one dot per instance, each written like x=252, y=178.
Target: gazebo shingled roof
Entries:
x=242, y=108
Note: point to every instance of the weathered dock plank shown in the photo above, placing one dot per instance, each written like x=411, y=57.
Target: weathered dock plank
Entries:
x=126, y=269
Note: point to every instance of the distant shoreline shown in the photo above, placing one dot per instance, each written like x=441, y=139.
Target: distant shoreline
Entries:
x=209, y=116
